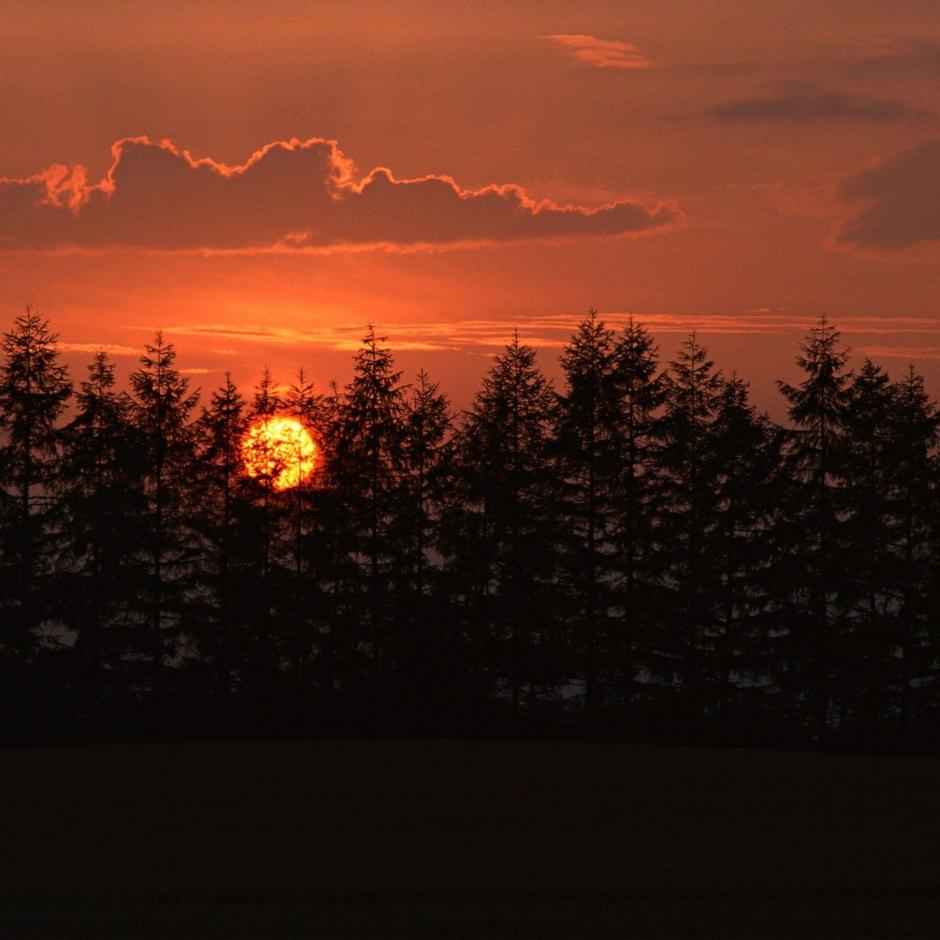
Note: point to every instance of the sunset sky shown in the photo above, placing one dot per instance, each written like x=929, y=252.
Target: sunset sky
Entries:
x=263, y=179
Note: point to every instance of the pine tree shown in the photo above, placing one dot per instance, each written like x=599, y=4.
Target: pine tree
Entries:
x=813, y=535
x=367, y=466
x=866, y=659
x=914, y=496
x=34, y=391
x=742, y=467
x=502, y=535
x=221, y=619
x=424, y=638
x=305, y=406
x=641, y=392
x=590, y=447
x=685, y=515
x=101, y=502
x=162, y=405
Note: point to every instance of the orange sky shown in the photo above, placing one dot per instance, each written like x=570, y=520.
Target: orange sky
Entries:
x=448, y=172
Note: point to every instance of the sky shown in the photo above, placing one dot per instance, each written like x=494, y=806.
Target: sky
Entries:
x=261, y=180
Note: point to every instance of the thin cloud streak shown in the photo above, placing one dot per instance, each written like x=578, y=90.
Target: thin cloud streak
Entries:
x=547, y=332
x=803, y=103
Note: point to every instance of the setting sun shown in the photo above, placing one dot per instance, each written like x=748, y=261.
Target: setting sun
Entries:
x=279, y=451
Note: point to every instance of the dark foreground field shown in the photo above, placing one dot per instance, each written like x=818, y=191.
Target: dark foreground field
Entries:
x=465, y=839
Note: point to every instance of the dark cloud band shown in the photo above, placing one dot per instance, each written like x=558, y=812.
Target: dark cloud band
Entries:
x=290, y=194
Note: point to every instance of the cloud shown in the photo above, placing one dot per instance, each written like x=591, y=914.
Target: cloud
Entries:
x=799, y=102
x=908, y=353
x=601, y=53
x=890, y=57
x=549, y=331
x=112, y=349
x=290, y=195
x=900, y=201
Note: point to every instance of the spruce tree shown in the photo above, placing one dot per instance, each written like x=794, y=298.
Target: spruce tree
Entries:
x=101, y=502
x=590, y=448
x=742, y=467
x=368, y=468
x=502, y=532
x=914, y=496
x=812, y=537
x=641, y=392
x=866, y=653
x=424, y=642
x=34, y=391
x=686, y=513
x=220, y=618
x=162, y=406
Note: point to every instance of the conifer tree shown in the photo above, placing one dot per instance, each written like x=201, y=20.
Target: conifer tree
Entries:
x=162, y=405
x=686, y=513
x=34, y=391
x=101, y=502
x=914, y=495
x=306, y=406
x=812, y=537
x=590, y=448
x=641, y=392
x=869, y=575
x=225, y=574
x=742, y=467
x=424, y=640
x=368, y=465
x=502, y=533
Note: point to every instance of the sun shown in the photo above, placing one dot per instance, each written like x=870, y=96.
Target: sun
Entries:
x=279, y=451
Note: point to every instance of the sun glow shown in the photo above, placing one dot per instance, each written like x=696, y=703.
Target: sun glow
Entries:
x=279, y=451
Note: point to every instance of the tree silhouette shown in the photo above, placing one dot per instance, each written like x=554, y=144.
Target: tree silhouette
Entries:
x=34, y=389
x=590, y=448
x=815, y=520
x=368, y=465
x=641, y=392
x=650, y=540
x=504, y=535
x=686, y=513
x=162, y=405
x=101, y=500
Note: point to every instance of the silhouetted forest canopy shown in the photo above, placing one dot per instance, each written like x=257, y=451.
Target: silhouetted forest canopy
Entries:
x=639, y=554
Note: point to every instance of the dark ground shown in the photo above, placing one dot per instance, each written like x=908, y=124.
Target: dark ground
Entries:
x=465, y=839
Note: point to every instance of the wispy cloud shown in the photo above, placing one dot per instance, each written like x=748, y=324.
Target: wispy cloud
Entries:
x=111, y=349
x=801, y=102
x=601, y=53
x=909, y=353
x=898, y=201
x=551, y=331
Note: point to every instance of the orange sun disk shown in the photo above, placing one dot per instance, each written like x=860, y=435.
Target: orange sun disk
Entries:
x=279, y=451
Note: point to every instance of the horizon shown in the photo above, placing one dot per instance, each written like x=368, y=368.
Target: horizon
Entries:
x=482, y=344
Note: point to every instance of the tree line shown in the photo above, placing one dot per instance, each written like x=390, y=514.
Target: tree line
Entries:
x=641, y=555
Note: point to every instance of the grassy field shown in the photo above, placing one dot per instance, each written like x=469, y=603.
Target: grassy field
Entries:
x=465, y=839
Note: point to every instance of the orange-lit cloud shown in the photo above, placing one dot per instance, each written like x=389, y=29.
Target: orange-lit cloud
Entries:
x=601, y=53
x=289, y=195
x=910, y=353
x=551, y=331
x=899, y=200
x=112, y=349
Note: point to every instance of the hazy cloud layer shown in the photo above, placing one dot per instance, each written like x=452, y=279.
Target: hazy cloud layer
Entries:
x=900, y=199
x=601, y=53
x=551, y=331
x=804, y=103
x=290, y=194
